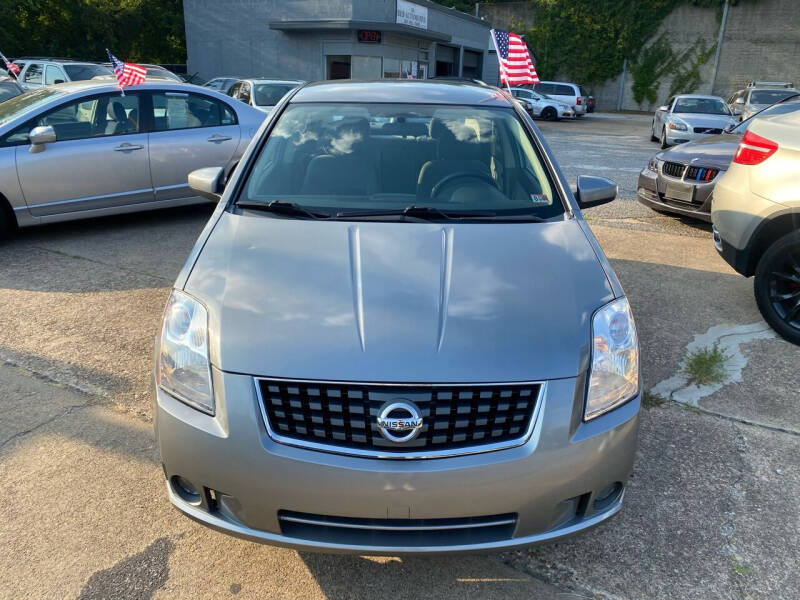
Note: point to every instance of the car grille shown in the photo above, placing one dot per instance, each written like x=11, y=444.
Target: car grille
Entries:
x=342, y=417
x=407, y=533
x=709, y=130
x=673, y=169
x=701, y=174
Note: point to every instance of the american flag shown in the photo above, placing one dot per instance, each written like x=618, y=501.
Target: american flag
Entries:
x=516, y=67
x=126, y=73
x=11, y=67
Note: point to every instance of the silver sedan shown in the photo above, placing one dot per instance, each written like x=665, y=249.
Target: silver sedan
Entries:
x=82, y=149
x=690, y=117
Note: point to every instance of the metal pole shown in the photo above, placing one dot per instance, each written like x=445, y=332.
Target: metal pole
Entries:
x=719, y=45
x=622, y=84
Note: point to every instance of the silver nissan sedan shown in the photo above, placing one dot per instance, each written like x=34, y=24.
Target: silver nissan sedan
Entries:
x=391, y=341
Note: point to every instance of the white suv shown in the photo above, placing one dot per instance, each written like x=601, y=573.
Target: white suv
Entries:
x=36, y=72
x=569, y=93
x=756, y=217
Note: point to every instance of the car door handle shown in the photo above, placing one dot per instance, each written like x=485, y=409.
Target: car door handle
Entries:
x=219, y=138
x=126, y=147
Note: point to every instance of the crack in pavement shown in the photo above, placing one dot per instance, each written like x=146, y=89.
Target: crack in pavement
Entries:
x=22, y=434
x=729, y=339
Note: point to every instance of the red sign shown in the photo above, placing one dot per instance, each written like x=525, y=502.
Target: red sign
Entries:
x=369, y=36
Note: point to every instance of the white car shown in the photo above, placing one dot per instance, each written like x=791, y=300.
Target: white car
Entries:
x=570, y=94
x=262, y=94
x=539, y=105
x=689, y=117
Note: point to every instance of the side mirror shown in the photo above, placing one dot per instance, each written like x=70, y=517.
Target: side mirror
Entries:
x=58, y=81
x=737, y=112
x=664, y=108
x=39, y=136
x=739, y=101
x=207, y=182
x=594, y=191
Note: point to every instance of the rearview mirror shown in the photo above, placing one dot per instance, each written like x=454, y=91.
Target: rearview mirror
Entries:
x=594, y=191
x=39, y=136
x=207, y=182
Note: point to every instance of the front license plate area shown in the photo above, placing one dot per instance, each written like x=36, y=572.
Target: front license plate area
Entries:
x=679, y=192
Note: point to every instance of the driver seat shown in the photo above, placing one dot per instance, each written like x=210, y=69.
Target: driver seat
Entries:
x=454, y=156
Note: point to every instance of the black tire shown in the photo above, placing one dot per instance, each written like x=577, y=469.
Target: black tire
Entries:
x=664, y=144
x=777, y=286
x=7, y=228
x=549, y=114
x=652, y=127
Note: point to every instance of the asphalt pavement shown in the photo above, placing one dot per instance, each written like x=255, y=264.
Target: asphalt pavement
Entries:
x=711, y=510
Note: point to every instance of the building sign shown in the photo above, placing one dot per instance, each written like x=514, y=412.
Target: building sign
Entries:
x=412, y=14
x=369, y=36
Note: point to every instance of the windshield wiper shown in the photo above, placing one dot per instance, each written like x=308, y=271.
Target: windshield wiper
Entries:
x=427, y=213
x=289, y=209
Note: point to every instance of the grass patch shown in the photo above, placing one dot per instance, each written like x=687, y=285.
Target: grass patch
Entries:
x=651, y=400
x=742, y=570
x=706, y=365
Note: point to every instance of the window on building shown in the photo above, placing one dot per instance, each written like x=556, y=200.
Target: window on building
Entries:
x=446, y=64
x=366, y=67
x=471, y=66
x=338, y=66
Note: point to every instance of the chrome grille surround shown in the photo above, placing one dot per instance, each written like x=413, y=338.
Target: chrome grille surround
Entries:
x=529, y=429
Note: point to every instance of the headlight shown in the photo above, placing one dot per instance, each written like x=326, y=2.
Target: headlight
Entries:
x=677, y=126
x=183, y=367
x=614, y=375
x=652, y=165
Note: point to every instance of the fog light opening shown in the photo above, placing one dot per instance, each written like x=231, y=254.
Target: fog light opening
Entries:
x=186, y=490
x=607, y=496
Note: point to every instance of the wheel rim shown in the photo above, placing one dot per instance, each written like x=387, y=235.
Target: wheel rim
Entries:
x=784, y=287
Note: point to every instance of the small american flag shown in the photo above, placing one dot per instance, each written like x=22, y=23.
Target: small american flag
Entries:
x=126, y=73
x=10, y=66
x=516, y=67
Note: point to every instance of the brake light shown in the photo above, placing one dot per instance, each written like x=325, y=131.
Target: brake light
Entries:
x=754, y=149
x=579, y=100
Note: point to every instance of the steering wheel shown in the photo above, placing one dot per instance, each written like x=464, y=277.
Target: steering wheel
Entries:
x=449, y=179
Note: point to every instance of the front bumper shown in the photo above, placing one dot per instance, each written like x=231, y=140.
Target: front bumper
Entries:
x=651, y=188
x=675, y=137
x=551, y=484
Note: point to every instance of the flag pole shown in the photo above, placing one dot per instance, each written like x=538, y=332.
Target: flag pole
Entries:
x=6, y=62
x=497, y=51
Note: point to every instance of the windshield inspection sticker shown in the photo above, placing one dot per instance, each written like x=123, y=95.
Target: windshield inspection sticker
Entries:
x=540, y=199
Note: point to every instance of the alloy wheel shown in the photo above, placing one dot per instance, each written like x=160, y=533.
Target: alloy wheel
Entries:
x=784, y=288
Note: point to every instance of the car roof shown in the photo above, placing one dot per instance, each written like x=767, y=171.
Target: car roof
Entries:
x=262, y=80
x=700, y=96
x=108, y=83
x=402, y=91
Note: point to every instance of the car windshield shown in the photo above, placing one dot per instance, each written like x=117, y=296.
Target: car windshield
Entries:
x=19, y=105
x=770, y=96
x=269, y=94
x=704, y=106
x=84, y=72
x=776, y=109
x=386, y=157
x=163, y=74
x=8, y=91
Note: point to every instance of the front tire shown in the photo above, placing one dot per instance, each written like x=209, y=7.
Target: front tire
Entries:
x=664, y=144
x=549, y=114
x=777, y=286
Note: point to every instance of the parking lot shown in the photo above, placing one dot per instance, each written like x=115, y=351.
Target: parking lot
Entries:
x=710, y=512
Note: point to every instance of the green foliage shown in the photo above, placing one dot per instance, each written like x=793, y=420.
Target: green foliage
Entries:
x=648, y=69
x=706, y=365
x=687, y=68
x=135, y=30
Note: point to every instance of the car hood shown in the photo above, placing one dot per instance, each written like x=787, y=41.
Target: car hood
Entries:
x=716, y=151
x=711, y=121
x=418, y=302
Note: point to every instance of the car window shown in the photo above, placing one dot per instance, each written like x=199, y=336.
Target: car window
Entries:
x=34, y=73
x=244, y=92
x=96, y=116
x=341, y=157
x=214, y=84
x=181, y=110
x=85, y=72
x=705, y=106
x=544, y=88
x=269, y=94
x=8, y=91
x=789, y=106
x=53, y=74
x=565, y=90
x=770, y=96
